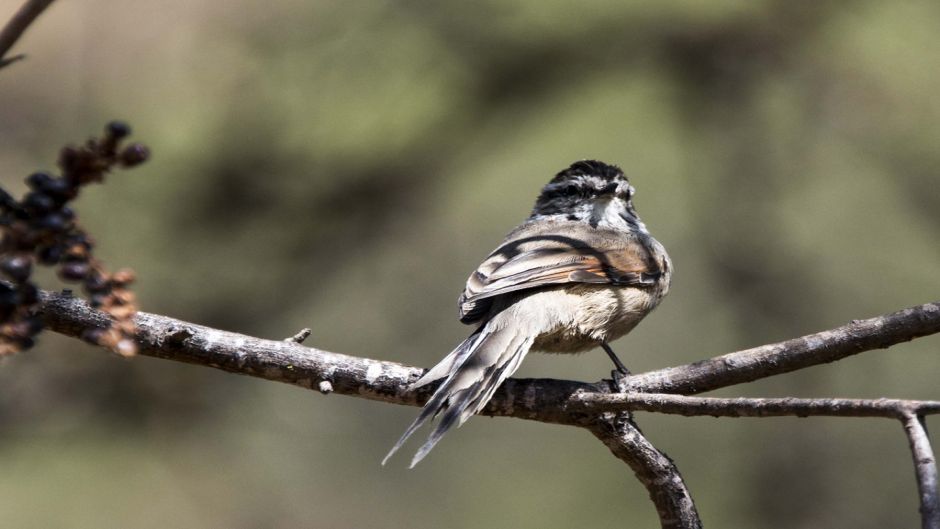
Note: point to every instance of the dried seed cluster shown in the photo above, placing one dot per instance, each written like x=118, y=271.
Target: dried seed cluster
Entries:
x=42, y=228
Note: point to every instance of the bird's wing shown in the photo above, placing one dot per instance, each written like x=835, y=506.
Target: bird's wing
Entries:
x=553, y=253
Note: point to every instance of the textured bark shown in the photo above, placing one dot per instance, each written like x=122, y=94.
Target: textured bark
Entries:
x=782, y=357
x=289, y=362
x=590, y=405
x=752, y=407
x=925, y=469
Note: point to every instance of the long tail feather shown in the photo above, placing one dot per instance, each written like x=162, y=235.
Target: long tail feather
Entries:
x=473, y=372
x=469, y=402
x=444, y=368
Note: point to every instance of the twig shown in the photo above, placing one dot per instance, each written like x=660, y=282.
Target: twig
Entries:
x=773, y=359
x=925, y=468
x=751, y=407
x=17, y=25
x=301, y=335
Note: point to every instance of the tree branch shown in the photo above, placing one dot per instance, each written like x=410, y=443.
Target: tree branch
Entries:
x=751, y=407
x=546, y=400
x=773, y=359
x=554, y=401
x=12, y=31
x=925, y=468
x=286, y=361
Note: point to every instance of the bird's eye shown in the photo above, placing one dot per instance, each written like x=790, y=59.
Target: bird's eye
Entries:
x=570, y=190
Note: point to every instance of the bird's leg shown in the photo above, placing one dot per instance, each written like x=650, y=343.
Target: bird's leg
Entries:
x=622, y=369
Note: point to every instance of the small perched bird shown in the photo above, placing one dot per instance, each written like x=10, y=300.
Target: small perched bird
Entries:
x=580, y=272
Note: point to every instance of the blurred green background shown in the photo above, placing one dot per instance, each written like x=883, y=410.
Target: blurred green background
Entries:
x=346, y=165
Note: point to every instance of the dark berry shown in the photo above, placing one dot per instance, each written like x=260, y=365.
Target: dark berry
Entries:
x=74, y=271
x=59, y=190
x=6, y=311
x=50, y=255
x=134, y=154
x=29, y=294
x=38, y=202
x=53, y=222
x=34, y=324
x=93, y=336
x=96, y=283
x=118, y=129
x=79, y=239
x=39, y=181
x=6, y=200
x=9, y=298
x=17, y=267
x=97, y=300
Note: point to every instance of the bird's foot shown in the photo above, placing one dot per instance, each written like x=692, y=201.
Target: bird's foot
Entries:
x=619, y=380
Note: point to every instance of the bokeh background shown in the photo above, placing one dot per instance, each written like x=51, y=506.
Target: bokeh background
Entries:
x=345, y=165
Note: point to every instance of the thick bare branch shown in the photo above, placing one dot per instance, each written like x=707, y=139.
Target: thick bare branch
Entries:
x=751, y=407
x=12, y=31
x=291, y=363
x=774, y=359
x=546, y=400
x=925, y=468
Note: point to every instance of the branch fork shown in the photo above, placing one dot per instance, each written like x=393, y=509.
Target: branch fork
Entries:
x=601, y=409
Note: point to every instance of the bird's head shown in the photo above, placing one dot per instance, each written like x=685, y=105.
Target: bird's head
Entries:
x=589, y=191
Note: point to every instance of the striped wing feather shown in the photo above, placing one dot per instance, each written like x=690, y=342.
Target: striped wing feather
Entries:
x=537, y=255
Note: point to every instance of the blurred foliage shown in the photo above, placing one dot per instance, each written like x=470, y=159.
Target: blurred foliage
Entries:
x=345, y=165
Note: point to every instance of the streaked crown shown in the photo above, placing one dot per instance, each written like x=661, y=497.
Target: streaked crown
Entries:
x=579, y=186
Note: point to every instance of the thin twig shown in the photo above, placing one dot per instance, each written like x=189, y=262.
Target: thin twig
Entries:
x=12, y=31
x=301, y=335
x=925, y=468
x=773, y=359
x=751, y=407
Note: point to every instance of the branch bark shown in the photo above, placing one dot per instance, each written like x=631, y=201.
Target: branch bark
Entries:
x=752, y=407
x=288, y=362
x=14, y=29
x=925, y=468
x=774, y=359
x=580, y=404
x=545, y=400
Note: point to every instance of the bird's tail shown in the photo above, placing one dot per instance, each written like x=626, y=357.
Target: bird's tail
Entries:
x=472, y=372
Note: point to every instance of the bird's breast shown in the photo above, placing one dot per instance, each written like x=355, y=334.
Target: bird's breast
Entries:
x=577, y=318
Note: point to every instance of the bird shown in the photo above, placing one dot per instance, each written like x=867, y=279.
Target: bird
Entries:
x=581, y=271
